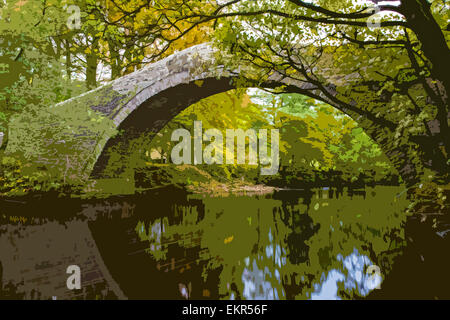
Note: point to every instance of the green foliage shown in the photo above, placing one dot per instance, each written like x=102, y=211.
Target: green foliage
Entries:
x=46, y=139
x=382, y=79
x=16, y=180
x=31, y=68
x=314, y=138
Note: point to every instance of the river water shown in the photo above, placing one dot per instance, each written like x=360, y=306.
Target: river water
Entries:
x=168, y=244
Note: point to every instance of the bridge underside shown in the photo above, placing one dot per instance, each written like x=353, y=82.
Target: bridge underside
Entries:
x=157, y=111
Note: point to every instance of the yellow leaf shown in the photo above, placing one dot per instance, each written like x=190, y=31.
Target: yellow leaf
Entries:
x=228, y=240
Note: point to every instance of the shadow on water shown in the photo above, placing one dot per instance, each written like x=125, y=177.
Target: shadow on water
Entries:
x=323, y=243
x=137, y=272
x=423, y=269
x=301, y=225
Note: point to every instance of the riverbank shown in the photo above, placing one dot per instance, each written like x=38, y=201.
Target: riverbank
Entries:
x=17, y=182
x=217, y=189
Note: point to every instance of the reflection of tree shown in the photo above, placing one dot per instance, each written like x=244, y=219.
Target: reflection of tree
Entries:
x=8, y=291
x=303, y=230
x=301, y=224
x=230, y=248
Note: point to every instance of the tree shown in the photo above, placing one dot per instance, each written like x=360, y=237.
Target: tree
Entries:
x=390, y=79
x=396, y=85
x=122, y=34
x=30, y=57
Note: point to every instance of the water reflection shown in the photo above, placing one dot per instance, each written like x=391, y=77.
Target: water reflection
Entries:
x=297, y=244
x=258, y=283
x=290, y=245
x=262, y=274
x=357, y=278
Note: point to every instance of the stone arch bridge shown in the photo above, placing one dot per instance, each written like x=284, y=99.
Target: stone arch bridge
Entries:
x=71, y=139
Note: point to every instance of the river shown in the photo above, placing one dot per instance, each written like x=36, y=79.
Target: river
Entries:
x=169, y=244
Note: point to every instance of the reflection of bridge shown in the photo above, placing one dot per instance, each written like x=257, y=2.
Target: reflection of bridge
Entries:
x=74, y=137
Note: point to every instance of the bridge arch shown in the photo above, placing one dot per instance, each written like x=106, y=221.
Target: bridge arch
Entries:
x=74, y=136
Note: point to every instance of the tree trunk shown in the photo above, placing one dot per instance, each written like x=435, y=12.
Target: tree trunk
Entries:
x=434, y=46
x=91, y=71
x=68, y=61
x=114, y=60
